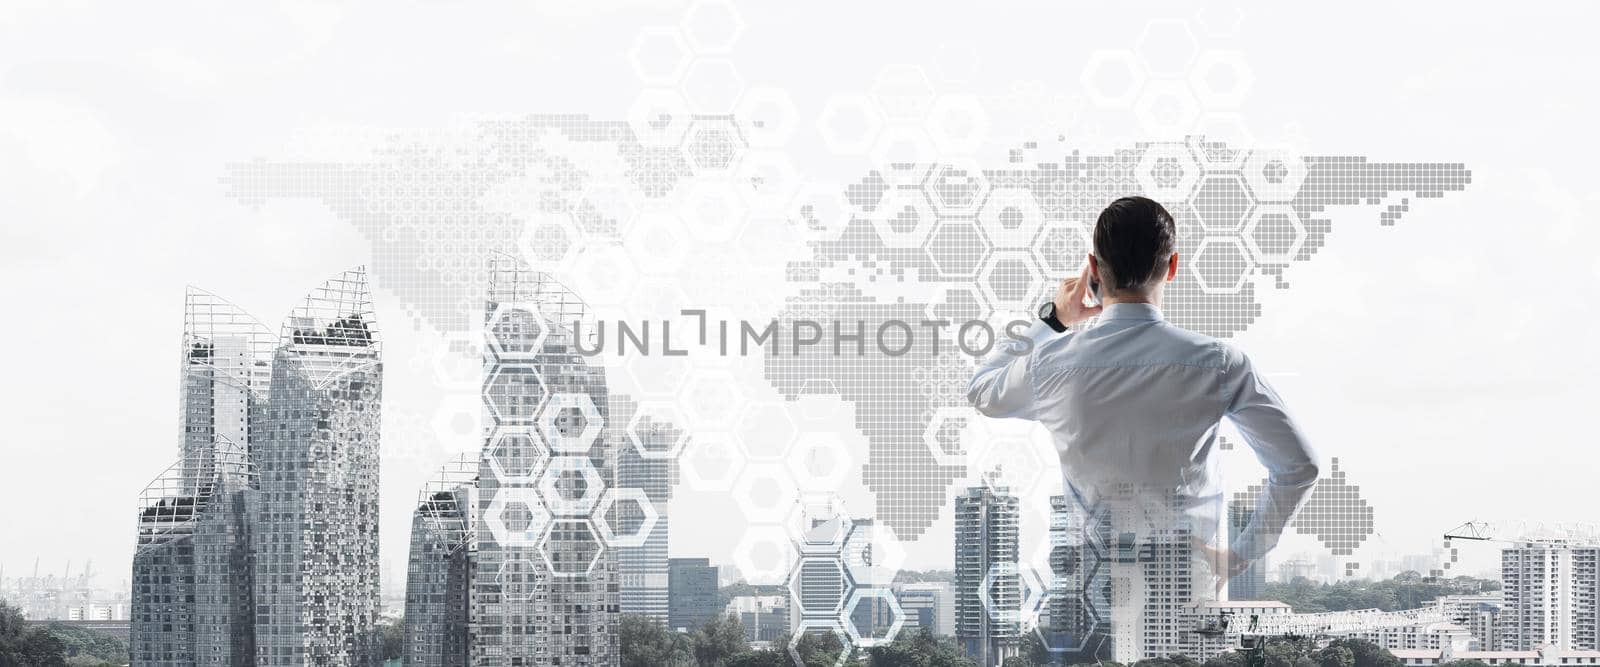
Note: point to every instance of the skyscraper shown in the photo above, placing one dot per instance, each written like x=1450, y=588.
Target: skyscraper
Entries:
x=1252, y=583
x=988, y=596
x=692, y=593
x=645, y=462
x=260, y=545
x=191, y=569
x=315, y=547
x=1551, y=590
x=544, y=584
x=439, y=570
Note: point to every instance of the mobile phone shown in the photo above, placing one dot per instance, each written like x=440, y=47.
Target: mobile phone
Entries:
x=1094, y=291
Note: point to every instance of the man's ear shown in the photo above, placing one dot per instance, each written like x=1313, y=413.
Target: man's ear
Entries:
x=1094, y=266
x=1172, y=267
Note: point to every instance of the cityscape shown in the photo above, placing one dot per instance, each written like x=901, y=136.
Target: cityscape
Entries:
x=257, y=546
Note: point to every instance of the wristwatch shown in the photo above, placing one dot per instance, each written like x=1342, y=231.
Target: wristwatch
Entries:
x=1047, y=312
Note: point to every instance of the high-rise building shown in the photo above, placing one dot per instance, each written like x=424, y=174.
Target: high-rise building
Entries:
x=315, y=547
x=691, y=593
x=1079, y=588
x=927, y=604
x=645, y=461
x=1251, y=584
x=260, y=546
x=438, y=571
x=988, y=596
x=1156, y=573
x=191, y=568
x=1551, y=591
x=544, y=587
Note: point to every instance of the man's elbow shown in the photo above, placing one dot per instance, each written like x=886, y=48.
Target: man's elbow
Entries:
x=1305, y=474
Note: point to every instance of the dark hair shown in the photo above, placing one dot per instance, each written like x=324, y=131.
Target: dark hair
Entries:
x=1133, y=237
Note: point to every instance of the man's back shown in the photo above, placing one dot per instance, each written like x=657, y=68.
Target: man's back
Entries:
x=1135, y=401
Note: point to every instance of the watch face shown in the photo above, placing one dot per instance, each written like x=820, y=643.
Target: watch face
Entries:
x=1047, y=310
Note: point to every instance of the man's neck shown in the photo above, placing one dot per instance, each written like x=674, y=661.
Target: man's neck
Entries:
x=1151, y=299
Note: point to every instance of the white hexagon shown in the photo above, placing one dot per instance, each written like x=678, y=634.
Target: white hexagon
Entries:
x=558, y=569
x=1215, y=156
x=1063, y=247
x=849, y=124
x=456, y=420
x=1275, y=175
x=610, y=202
x=1166, y=109
x=516, y=331
x=659, y=56
x=903, y=218
x=1167, y=46
x=1284, y=212
x=455, y=370
x=712, y=85
x=873, y=554
x=823, y=210
x=1236, y=261
x=1011, y=217
x=512, y=498
x=1221, y=203
x=560, y=467
x=767, y=180
x=714, y=210
x=930, y=435
x=1167, y=172
x=516, y=455
x=639, y=536
x=814, y=567
x=818, y=524
x=605, y=275
x=769, y=116
x=895, y=612
x=1020, y=464
x=957, y=248
x=1001, y=612
x=956, y=190
x=554, y=422
x=1225, y=126
x=903, y=145
x=660, y=415
x=958, y=124
x=820, y=461
x=767, y=431
x=658, y=242
x=517, y=578
x=764, y=492
x=763, y=555
x=1221, y=79
x=711, y=461
x=711, y=398
x=513, y=393
x=660, y=116
x=1011, y=280
x=810, y=626
x=1113, y=78
x=712, y=26
x=550, y=241
x=903, y=92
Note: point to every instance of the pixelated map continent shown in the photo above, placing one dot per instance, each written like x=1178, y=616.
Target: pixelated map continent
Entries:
x=990, y=242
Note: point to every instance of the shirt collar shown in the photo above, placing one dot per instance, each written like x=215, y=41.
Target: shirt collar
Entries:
x=1131, y=311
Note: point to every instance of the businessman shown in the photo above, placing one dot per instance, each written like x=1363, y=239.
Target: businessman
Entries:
x=1133, y=402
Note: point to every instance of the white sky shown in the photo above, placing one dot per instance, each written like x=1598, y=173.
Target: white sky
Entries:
x=1448, y=360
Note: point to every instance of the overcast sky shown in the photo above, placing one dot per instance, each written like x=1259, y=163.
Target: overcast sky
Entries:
x=1448, y=361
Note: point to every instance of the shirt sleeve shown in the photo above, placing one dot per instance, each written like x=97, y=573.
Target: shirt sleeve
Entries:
x=1281, y=447
x=1003, y=384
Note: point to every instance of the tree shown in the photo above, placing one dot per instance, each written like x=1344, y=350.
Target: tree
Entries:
x=24, y=645
x=647, y=643
x=1363, y=653
x=720, y=638
x=919, y=648
x=758, y=659
x=392, y=639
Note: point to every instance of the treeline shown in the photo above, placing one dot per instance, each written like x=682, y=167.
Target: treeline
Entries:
x=1407, y=590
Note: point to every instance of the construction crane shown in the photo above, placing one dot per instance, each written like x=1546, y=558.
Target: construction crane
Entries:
x=1523, y=532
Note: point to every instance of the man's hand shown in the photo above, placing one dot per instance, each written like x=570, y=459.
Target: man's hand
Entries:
x=1224, y=564
x=1070, y=306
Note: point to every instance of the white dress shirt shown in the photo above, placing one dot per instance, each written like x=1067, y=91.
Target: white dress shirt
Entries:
x=1135, y=402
